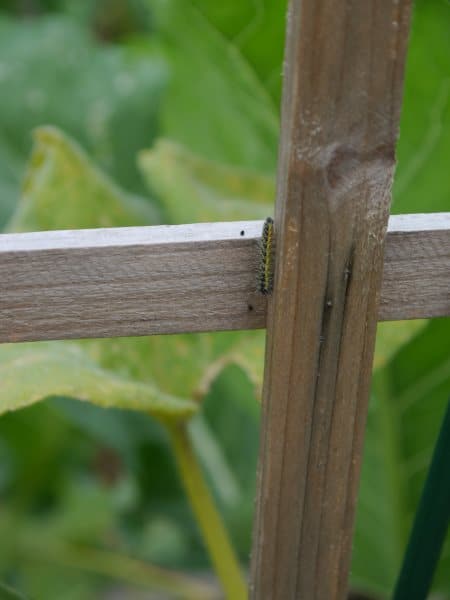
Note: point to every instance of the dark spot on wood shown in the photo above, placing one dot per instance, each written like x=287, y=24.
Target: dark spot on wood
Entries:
x=348, y=271
x=344, y=160
x=347, y=160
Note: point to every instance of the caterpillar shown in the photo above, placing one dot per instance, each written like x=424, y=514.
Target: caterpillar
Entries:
x=265, y=274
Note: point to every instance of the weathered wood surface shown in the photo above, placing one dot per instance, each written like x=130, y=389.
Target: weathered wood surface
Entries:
x=416, y=273
x=149, y=280
x=129, y=281
x=341, y=104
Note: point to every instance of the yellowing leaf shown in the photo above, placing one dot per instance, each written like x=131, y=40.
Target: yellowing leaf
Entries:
x=33, y=372
x=63, y=189
x=194, y=189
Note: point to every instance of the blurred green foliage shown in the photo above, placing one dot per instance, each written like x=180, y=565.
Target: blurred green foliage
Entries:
x=175, y=104
x=53, y=72
x=421, y=182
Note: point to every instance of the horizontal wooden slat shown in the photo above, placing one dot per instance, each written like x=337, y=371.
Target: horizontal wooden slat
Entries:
x=129, y=281
x=416, y=276
x=185, y=278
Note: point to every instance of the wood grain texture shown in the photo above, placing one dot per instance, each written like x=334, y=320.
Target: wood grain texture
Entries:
x=129, y=281
x=150, y=280
x=416, y=272
x=341, y=104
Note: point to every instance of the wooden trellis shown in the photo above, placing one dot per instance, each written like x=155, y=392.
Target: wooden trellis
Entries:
x=337, y=274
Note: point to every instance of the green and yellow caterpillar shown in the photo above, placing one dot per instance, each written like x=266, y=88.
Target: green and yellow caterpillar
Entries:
x=265, y=275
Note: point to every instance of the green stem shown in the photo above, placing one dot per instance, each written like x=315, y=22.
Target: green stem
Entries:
x=209, y=520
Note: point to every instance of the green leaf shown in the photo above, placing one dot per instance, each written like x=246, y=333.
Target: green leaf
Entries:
x=52, y=72
x=11, y=168
x=224, y=113
x=410, y=397
x=194, y=189
x=256, y=30
x=63, y=189
x=60, y=169
x=33, y=372
x=152, y=359
x=247, y=353
x=215, y=105
x=421, y=182
x=140, y=369
x=391, y=336
x=138, y=372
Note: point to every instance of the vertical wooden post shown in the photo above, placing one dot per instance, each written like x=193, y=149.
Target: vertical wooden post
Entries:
x=340, y=115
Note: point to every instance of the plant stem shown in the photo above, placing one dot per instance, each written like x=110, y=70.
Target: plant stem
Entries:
x=209, y=520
